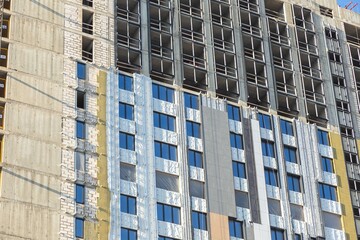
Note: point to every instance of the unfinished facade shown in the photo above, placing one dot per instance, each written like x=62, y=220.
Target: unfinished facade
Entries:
x=184, y=119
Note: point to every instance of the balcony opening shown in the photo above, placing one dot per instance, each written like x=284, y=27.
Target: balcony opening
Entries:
x=87, y=22
x=87, y=49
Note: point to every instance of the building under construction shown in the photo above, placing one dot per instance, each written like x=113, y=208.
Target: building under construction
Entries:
x=179, y=119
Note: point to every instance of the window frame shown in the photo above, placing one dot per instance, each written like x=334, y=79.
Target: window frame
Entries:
x=294, y=183
x=236, y=141
x=191, y=101
x=239, y=169
x=157, y=91
x=79, y=193
x=169, y=153
x=79, y=227
x=277, y=231
x=161, y=119
x=81, y=71
x=163, y=210
x=200, y=222
x=268, y=148
x=323, y=137
x=237, y=227
x=290, y=154
x=128, y=231
x=270, y=176
x=327, y=164
x=125, y=82
x=126, y=111
x=128, y=204
x=286, y=127
x=324, y=194
x=194, y=161
x=80, y=132
x=129, y=142
x=265, y=121
x=233, y=112
x=193, y=129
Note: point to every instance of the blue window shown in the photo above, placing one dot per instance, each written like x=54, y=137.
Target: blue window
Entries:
x=267, y=148
x=297, y=237
x=271, y=177
x=164, y=150
x=198, y=220
x=191, y=101
x=277, y=234
x=79, y=227
x=290, y=154
x=164, y=121
x=168, y=213
x=286, y=127
x=165, y=238
x=125, y=82
x=128, y=204
x=79, y=193
x=193, y=129
x=126, y=111
x=81, y=71
x=236, y=141
x=128, y=234
x=195, y=158
x=163, y=93
x=239, y=169
x=323, y=137
x=264, y=121
x=233, y=112
x=327, y=164
x=80, y=129
x=127, y=141
x=236, y=229
x=327, y=191
x=293, y=183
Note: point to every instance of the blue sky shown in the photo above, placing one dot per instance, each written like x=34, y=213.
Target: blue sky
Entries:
x=342, y=3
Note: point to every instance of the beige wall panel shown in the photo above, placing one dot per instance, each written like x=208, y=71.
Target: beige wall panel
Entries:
x=35, y=61
x=40, y=156
x=219, y=227
x=34, y=91
x=30, y=187
x=46, y=10
x=38, y=123
x=28, y=222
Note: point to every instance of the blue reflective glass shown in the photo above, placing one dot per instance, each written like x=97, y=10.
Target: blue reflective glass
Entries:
x=236, y=141
x=126, y=111
x=81, y=71
x=79, y=227
x=286, y=127
x=277, y=234
x=191, y=101
x=193, y=129
x=165, y=151
x=80, y=193
x=125, y=82
x=163, y=93
x=264, y=121
x=198, y=220
x=293, y=183
x=128, y=204
x=157, y=149
x=168, y=213
x=271, y=177
x=195, y=158
x=128, y=234
x=176, y=215
x=233, y=112
x=327, y=191
x=267, y=148
x=323, y=137
x=239, y=169
x=164, y=121
x=290, y=154
x=80, y=129
x=235, y=228
x=127, y=141
x=327, y=165
x=172, y=150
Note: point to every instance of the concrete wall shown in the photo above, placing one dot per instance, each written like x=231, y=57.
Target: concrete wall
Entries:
x=30, y=189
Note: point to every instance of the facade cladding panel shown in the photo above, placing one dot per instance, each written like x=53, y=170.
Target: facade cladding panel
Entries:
x=184, y=119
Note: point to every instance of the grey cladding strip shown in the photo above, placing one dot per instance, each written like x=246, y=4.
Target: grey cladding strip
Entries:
x=218, y=162
x=251, y=170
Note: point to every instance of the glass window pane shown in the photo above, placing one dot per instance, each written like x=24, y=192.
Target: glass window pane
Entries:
x=81, y=70
x=157, y=149
x=162, y=93
x=172, y=153
x=167, y=213
x=155, y=90
x=79, y=227
x=165, y=151
x=176, y=215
